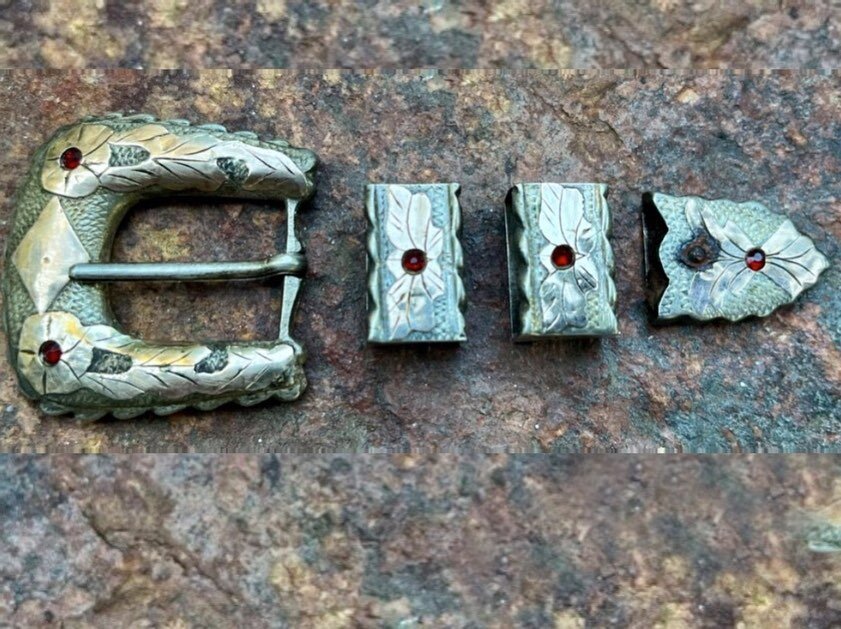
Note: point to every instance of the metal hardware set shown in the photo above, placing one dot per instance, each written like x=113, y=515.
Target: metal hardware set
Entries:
x=703, y=260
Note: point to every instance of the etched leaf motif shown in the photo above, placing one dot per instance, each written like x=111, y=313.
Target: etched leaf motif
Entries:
x=562, y=222
x=175, y=161
x=408, y=225
x=410, y=306
x=563, y=302
x=791, y=261
x=168, y=371
x=562, y=219
x=266, y=165
x=693, y=215
x=172, y=373
x=586, y=274
x=409, y=219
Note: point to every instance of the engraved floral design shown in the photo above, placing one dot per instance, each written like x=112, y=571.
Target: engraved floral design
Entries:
x=76, y=352
x=92, y=141
x=562, y=292
x=153, y=155
x=410, y=299
x=791, y=260
x=134, y=368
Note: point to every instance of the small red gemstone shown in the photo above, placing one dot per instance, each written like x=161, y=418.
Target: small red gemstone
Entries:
x=414, y=261
x=71, y=158
x=755, y=259
x=563, y=256
x=50, y=352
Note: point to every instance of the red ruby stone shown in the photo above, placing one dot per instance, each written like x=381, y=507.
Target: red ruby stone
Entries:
x=50, y=352
x=71, y=158
x=414, y=261
x=563, y=256
x=755, y=259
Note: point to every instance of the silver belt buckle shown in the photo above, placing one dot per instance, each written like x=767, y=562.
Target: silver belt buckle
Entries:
x=68, y=350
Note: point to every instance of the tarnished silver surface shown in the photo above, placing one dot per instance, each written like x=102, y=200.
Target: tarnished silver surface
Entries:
x=47, y=253
x=415, y=292
x=171, y=155
x=279, y=264
x=101, y=359
x=560, y=264
x=721, y=259
x=69, y=352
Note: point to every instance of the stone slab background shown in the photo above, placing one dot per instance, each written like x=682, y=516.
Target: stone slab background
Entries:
x=425, y=33
x=407, y=541
x=769, y=384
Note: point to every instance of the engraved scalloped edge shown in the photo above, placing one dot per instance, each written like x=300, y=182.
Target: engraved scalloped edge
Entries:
x=610, y=258
x=518, y=267
x=373, y=248
x=458, y=256
x=91, y=414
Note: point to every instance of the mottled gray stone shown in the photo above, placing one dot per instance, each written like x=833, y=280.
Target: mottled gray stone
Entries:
x=444, y=541
x=430, y=33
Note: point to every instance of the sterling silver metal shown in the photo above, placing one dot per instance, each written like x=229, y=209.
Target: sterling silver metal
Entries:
x=57, y=261
x=280, y=264
x=424, y=304
x=696, y=258
x=548, y=223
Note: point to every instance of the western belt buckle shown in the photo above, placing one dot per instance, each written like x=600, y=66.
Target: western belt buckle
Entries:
x=68, y=350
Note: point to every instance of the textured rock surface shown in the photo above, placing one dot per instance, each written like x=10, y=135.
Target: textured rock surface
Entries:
x=428, y=33
x=482, y=541
x=765, y=384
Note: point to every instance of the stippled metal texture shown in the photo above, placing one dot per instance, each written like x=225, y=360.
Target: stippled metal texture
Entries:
x=722, y=259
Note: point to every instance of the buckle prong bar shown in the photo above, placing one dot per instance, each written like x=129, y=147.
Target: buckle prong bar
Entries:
x=280, y=264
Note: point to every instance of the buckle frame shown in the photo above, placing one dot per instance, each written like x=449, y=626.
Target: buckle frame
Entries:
x=68, y=350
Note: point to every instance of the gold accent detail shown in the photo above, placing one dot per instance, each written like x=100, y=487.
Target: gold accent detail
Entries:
x=44, y=256
x=166, y=371
x=175, y=162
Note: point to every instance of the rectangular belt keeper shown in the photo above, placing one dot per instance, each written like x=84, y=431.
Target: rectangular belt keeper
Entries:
x=560, y=263
x=415, y=291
